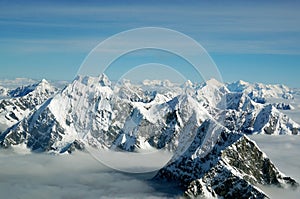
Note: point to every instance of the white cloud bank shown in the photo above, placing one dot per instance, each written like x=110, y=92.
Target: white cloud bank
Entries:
x=70, y=176
x=80, y=176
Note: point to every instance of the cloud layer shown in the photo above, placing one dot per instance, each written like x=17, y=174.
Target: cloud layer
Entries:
x=70, y=176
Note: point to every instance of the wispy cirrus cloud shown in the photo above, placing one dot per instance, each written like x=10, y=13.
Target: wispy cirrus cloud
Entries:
x=62, y=34
x=254, y=29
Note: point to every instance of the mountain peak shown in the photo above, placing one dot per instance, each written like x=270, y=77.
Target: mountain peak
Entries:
x=23, y=100
x=259, y=92
x=40, y=86
x=214, y=82
x=104, y=80
x=44, y=84
x=43, y=81
x=211, y=152
x=188, y=83
x=241, y=82
x=238, y=86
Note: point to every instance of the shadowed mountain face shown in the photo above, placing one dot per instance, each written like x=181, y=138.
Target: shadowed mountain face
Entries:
x=230, y=168
x=203, y=124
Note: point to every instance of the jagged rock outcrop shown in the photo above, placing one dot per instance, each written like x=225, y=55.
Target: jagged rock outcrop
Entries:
x=230, y=167
x=244, y=115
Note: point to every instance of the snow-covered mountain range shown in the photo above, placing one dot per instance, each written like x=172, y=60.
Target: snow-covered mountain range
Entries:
x=20, y=102
x=261, y=92
x=203, y=124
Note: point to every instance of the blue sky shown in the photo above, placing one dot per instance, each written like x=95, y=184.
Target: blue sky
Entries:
x=257, y=41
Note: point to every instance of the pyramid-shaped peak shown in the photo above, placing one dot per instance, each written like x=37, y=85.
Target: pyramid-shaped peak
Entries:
x=44, y=85
x=25, y=89
x=188, y=83
x=104, y=80
x=44, y=81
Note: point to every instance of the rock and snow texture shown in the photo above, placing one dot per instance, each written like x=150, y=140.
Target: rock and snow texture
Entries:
x=90, y=112
x=22, y=101
x=260, y=92
x=230, y=168
x=203, y=124
x=3, y=92
x=244, y=115
x=56, y=125
x=129, y=117
x=283, y=106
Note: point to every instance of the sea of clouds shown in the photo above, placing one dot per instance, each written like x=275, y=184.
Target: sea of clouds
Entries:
x=72, y=176
x=79, y=175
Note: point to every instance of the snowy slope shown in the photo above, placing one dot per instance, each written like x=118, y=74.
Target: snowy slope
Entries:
x=81, y=109
x=166, y=124
x=130, y=117
x=244, y=115
x=261, y=92
x=22, y=101
x=229, y=169
x=212, y=92
x=89, y=111
x=202, y=124
x=3, y=92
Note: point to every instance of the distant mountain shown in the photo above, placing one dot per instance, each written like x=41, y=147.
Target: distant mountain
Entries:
x=261, y=92
x=11, y=84
x=283, y=106
x=21, y=101
x=3, y=92
x=242, y=114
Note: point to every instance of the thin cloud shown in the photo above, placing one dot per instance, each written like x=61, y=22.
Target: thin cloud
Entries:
x=59, y=36
x=71, y=176
x=216, y=26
